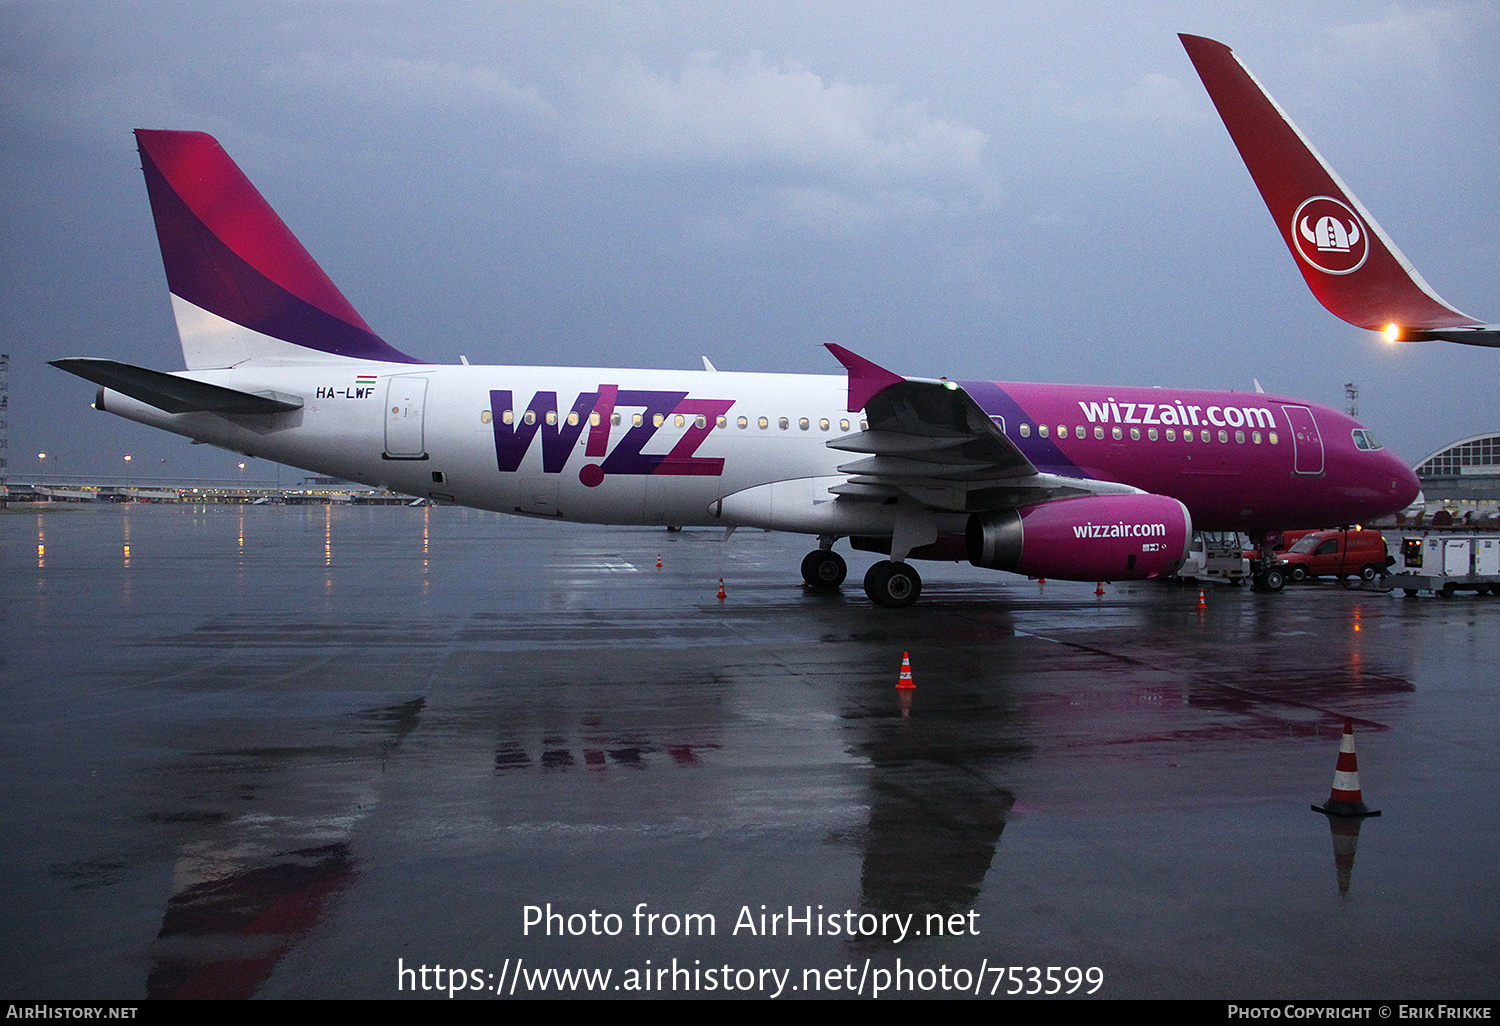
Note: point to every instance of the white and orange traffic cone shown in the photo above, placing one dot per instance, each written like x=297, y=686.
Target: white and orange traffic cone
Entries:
x=905, y=682
x=1099, y=590
x=1202, y=602
x=721, y=595
x=1345, y=798
x=658, y=561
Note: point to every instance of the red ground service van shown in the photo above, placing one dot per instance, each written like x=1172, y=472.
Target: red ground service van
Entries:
x=1338, y=554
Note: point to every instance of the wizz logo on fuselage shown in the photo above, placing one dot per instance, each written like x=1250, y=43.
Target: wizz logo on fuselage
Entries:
x=595, y=412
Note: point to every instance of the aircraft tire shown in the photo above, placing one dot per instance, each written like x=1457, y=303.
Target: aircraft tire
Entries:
x=1274, y=580
x=824, y=570
x=893, y=585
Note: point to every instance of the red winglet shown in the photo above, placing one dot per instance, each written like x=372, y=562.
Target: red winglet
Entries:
x=866, y=379
x=1350, y=264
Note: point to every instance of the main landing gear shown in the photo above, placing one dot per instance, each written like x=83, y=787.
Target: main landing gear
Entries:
x=891, y=584
x=824, y=570
x=888, y=583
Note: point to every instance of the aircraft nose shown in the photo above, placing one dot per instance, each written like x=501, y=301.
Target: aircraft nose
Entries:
x=1404, y=486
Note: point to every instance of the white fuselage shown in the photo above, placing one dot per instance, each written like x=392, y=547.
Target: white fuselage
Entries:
x=673, y=446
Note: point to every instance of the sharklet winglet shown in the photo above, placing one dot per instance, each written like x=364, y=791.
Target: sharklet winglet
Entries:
x=1372, y=291
x=866, y=378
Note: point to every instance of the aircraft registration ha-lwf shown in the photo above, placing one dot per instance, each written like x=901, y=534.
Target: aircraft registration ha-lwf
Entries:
x=1073, y=482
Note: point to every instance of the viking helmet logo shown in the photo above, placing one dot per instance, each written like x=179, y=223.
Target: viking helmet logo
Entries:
x=1329, y=235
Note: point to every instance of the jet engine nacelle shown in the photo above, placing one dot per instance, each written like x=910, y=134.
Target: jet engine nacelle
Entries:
x=1091, y=538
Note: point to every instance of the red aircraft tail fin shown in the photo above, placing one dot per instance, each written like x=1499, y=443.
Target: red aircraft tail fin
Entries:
x=1351, y=265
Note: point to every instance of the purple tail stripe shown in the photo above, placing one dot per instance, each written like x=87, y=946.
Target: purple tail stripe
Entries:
x=225, y=250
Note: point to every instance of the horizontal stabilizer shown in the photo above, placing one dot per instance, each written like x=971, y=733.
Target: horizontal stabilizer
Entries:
x=175, y=394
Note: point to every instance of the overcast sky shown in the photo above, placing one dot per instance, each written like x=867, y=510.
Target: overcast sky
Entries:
x=1020, y=192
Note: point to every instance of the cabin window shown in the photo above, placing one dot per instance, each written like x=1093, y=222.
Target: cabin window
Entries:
x=764, y=423
x=864, y=423
x=636, y=420
x=823, y=424
x=614, y=418
x=1255, y=437
x=1041, y=430
x=679, y=420
x=743, y=422
x=1082, y=432
x=700, y=422
x=1151, y=434
x=720, y=421
x=594, y=419
x=1239, y=437
x=1171, y=434
x=1025, y=430
x=1271, y=437
x=1116, y=433
x=485, y=417
x=658, y=420
x=803, y=424
x=1135, y=434
x=552, y=418
x=783, y=423
x=508, y=417
x=1098, y=432
x=1223, y=437
x=530, y=417
x=572, y=418
x=843, y=425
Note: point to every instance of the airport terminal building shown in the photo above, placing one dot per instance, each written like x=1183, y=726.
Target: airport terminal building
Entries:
x=1465, y=473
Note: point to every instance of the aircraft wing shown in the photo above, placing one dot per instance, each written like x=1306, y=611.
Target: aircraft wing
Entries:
x=930, y=441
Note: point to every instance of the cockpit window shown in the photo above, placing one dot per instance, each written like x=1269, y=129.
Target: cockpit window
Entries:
x=1366, y=440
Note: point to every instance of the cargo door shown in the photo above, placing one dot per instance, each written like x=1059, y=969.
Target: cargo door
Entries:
x=405, y=400
x=1307, y=444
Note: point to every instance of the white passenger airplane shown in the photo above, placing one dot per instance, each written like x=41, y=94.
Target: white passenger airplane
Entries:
x=1349, y=262
x=1072, y=482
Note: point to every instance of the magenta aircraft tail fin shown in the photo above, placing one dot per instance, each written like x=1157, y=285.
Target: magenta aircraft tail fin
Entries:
x=243, y=288
x=1351, y=265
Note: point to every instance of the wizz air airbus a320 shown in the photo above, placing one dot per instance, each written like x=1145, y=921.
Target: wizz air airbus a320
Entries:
x=1075, y=482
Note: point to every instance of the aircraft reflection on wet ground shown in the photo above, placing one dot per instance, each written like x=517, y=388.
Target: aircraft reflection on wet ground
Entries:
x=269, y=751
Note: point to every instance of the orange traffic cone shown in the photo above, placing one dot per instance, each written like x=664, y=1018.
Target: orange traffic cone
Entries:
x=905, y=681
x=1345, y=798
x=658, y=561
x=1099, y=590
x=722, y=596
x=1041, y=580
x=1202, y=604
